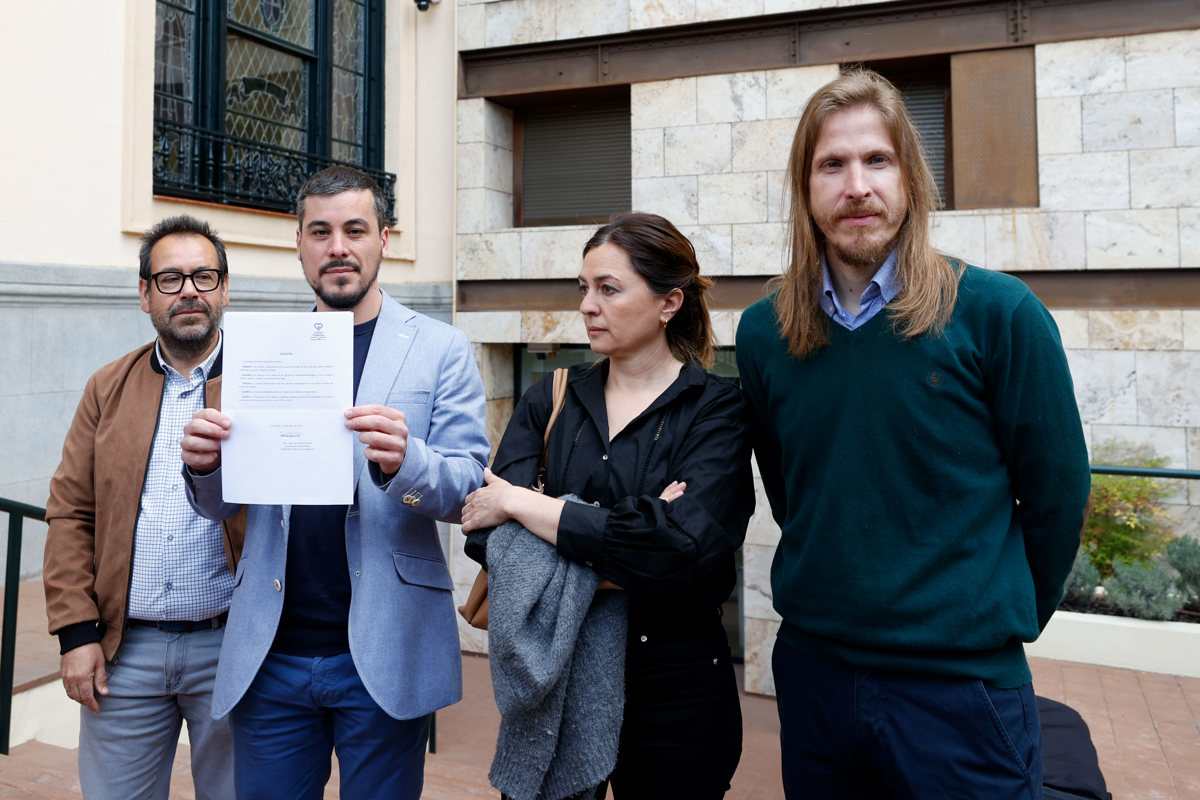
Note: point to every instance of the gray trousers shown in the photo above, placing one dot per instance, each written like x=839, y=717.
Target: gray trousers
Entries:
x=158, y=681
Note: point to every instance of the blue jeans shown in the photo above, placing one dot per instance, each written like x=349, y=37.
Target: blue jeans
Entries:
x=856, y=733
x=298, y=711
x=159, y=681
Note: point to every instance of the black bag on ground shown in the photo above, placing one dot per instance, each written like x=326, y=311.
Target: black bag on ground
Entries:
x=1070, y=766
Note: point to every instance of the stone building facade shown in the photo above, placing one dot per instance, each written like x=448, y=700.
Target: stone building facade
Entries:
x=1118, y=188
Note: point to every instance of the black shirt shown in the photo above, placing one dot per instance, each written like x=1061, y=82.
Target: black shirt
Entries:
x=676, y=560
x=316, y=605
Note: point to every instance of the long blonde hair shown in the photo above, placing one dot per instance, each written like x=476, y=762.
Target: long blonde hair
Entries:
x=928, y=281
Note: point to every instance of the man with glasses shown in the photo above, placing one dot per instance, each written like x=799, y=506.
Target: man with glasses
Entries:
x=137, y=583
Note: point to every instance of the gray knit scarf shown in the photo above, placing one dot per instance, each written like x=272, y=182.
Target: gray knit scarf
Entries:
x=557, y=652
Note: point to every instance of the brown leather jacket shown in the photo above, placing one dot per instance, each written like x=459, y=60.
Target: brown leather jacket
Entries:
x=95, y=495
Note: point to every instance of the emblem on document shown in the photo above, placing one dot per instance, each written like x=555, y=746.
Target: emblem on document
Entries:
x=318, y=334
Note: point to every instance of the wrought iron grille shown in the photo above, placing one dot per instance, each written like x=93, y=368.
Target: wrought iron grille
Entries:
x=200, y=164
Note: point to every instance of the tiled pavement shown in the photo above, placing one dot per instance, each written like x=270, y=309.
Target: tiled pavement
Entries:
x=1146, y=728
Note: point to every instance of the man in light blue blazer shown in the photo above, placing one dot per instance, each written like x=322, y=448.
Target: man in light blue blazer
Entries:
x=341, y=633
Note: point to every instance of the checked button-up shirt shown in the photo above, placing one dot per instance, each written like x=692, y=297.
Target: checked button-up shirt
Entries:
x=179, y=567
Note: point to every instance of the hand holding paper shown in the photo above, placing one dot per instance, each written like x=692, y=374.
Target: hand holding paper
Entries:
x=384, y=431
x=289, y=377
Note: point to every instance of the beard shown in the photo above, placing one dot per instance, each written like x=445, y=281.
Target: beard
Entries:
x=346, y=292
x=189, y=336
x=861, y=249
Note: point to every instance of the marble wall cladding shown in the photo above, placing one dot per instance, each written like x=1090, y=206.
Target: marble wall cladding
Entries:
x=519, y=22
x=1135, y=330
x=663, y=103
x=961, y=235
x=496, y=327
x=714, y=247
x=483, y=210
x=577, y=18
x=1112, y=444
x=765, y=144
x=552, y=252
x=1187, y=117
x=646, y=154
x=759, y=248
x=1072, y=327
x=1035, y=241
x=1132, y=239
x=1191, y=332
x=1106, y=385
x=734, y=97
x=724, y=325
x=554, y=327
x=1128, y=120
x=1168, y=386
x=676, y=199
x=788, y=90
x=762, y=530
x=1189, y=237
x=472, y=27
x=778, y=196
x=1090, y=66
x=660, y=13
x=737, y=197
x=1162, y=60
x=484, y=256
x=1165, y=178
x=1059, y=125
x=696, y=149
x=1084, y=182
x=760, y=643
x=756, y=582
x=495, y=363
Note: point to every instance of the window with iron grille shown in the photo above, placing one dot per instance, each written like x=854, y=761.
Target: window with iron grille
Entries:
x=572, y=159
x=252, y=96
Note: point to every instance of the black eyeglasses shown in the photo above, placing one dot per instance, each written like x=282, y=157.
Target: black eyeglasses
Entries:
x=171, y=282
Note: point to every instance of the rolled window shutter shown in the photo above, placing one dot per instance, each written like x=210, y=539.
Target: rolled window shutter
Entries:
x=576, y=164
x=925, y=100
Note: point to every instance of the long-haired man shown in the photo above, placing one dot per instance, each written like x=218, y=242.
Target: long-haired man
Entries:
x=920, y=445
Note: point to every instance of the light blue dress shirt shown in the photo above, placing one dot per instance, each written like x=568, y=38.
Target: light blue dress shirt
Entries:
x=180, y=571
x=882, y=289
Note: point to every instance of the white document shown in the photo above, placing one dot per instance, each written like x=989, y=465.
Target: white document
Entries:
x=288, y=380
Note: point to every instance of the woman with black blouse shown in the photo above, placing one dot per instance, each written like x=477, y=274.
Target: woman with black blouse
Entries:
x=657, y=448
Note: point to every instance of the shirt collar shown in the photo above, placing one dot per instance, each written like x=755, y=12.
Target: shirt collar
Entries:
x=205, y=366
x=885, y=283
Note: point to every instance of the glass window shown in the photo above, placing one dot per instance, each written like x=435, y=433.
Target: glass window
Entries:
x=252, y=96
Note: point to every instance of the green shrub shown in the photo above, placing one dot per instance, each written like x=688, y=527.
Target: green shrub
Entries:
x=1084, y=577
x=1145, y=590
x=1127, y=521
x=1184, y=555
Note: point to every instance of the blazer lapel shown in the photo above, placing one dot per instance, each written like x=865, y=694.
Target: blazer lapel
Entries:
x=390, y=343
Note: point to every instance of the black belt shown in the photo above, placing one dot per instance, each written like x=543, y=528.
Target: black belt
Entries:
x=183, y=626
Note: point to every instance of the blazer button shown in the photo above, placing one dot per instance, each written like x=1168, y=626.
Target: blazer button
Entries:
x=278, y=586
x=643, y=637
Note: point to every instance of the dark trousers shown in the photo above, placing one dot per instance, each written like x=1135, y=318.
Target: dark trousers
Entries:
x=682, y=735
x=298, y=711
x=853, y=733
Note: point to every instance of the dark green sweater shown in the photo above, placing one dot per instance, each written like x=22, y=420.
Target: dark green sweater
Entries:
x=930, y=491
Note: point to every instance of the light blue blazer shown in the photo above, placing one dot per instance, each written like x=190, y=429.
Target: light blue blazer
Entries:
x=403, y=634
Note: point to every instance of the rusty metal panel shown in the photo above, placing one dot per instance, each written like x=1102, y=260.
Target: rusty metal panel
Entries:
x=1047, y=21
x=734, y=51
x=519, y=73
x=901, y=35
x=994, y=129
x=1105, y=289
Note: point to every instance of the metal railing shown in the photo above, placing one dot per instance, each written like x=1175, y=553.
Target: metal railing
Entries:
x=17, y=514
x=200, y=164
